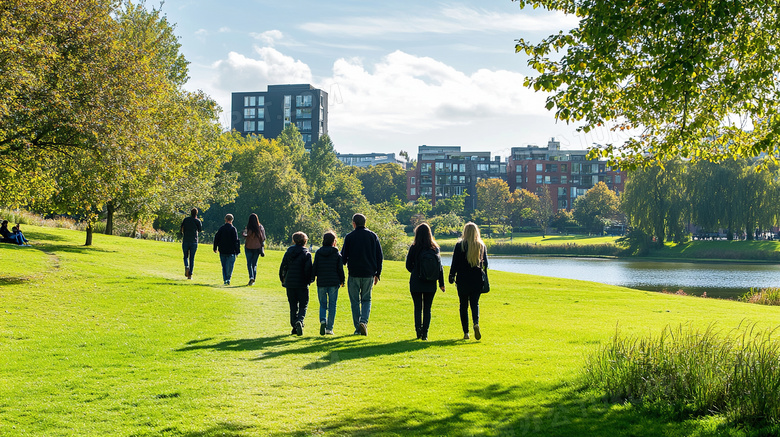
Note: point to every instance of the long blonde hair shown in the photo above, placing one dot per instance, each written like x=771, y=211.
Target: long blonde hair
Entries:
x=472, y=244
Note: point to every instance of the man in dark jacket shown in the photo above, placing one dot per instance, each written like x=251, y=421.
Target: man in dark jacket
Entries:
x=295, y=274
x=229, y=247
x=190, y=228
x=362, y=254
x=329, y=271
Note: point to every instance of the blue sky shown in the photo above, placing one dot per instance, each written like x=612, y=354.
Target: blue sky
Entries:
x=399, y=74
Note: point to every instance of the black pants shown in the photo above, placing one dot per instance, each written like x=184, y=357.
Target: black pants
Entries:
x=467, y=299
x=299, y=301
x=422, y=311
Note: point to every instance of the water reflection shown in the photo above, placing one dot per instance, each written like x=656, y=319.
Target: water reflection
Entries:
x=724, y=280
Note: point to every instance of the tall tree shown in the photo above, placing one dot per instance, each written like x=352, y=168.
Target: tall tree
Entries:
x=698, y=79
x=596, y=207
x=382, y=182
x=493, y=199
x=543, y=210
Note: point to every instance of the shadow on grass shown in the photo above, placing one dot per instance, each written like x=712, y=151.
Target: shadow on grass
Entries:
x=498, y=410
x=70, y=248
x=12, y=280
x=239, y=345
x=221, y=430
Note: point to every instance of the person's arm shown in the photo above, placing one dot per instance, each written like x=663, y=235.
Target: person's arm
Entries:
x=345, y=250
x=314, y=268
x=307, y=269
x=484, y=258
x=455, y=266
x=199, y=225
x=340, y=269
x=379, y=258
x=410, y=259
x=441, y=271
x=282, y=266
x=216, y=239
x=262, y=235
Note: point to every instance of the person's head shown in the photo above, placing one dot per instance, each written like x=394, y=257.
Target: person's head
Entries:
x=300, y=239
x=5, y=224
x=359, y=220
x=472, y=243
x=253, y=224
x=228, y=218
x=423, y=237
x=329, y=239
x=194, y=212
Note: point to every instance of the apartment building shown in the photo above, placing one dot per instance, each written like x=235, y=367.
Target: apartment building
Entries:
x=267, y=113
x=368, y=159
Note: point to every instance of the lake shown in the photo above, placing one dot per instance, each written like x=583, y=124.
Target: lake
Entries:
x=722, y=280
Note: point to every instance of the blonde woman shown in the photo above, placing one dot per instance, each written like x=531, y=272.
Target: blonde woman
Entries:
x=468, y=261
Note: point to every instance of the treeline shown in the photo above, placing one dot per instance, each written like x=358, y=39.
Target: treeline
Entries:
x=735, y=196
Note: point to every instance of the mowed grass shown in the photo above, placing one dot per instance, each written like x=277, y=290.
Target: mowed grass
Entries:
x=112, y=340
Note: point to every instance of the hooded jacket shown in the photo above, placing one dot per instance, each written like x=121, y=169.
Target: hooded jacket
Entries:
x=297, y=263
x=328, y=267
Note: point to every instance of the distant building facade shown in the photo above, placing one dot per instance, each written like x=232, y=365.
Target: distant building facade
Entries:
x=267, y=113
x=446, y=171
x=568, y=174
x=368, y=159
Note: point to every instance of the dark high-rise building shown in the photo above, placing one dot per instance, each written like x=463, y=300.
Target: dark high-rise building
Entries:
x=267, y=113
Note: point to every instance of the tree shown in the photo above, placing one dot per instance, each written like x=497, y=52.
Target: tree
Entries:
x=446, y=224
x=493, y=199
x=523, y=205
x=451, y=205
x=383, y=182
x=596, y=207
x=543, y=209
x=698, y=79
x=322, y=164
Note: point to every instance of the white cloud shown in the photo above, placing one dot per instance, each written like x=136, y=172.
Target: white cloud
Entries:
x=269, y=37
x=202, y=32
x=241, y=73
x=449, y=20
x=224, y=29
x=406, y=93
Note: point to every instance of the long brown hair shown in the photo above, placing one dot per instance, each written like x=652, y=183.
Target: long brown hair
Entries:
x=423, y=237
x=254, y=224
x=472, y=244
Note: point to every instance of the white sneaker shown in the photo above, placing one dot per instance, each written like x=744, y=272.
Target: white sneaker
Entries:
x=329, y=332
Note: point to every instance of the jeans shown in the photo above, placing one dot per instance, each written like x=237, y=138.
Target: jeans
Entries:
x=422, y=312
x=467, y=299
x=252, y=255
x=227, y=265
x=359, y=290
x=299, y=302
x=328, y=297
x=189, y=250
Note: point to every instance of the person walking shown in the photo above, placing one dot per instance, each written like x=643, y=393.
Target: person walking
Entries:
x=295, y=274
x=328, y=269
x=229, y=247
x=468, y=260
x=254, y=240
x=424, y=263
x=362, y=254
x=190, y=228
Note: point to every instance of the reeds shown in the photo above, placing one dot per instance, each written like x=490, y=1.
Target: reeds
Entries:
x=687, y=372
x=764, y=296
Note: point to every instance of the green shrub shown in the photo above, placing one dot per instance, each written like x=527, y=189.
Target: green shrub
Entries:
x=686, y=372
x=764, y=296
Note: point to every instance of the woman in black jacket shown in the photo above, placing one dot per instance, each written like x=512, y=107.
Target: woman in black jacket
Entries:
x=468, y=261
x=424, y=263
x=295, y=274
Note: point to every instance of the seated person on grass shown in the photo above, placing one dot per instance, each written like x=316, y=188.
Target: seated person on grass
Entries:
x=15, y=237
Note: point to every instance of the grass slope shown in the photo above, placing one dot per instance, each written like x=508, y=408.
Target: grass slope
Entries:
x=112, y=340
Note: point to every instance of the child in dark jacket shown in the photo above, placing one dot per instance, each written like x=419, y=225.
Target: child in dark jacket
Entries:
x=328, y=268
x=295, y=274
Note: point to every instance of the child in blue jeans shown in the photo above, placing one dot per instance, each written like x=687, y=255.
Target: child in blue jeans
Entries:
x=328, y=269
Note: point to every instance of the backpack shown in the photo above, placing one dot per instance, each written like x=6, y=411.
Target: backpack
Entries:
x=430, y=265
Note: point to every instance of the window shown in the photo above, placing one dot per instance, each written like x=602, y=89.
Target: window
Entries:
x=539, y=179
x=439, y=167
x=303, y=113
x=539, y=167
x=260, y=112
x=551, y=168
x=564, y=168
x=482, y=167
x=519, y=168
x=564, y=179
x=250, y=112
x=306, y=138
x=425, y=167
x=547, y=180
x=249, y=101
x=249, y=126
x=304, y=125
x=561, y=191
x=576, y=168
x=260, y=100
x=413, y=191
x=287, y=105
x=617, y=179
x=562, y=204
x=260, y=125
x=412, y=181
x=303, y=101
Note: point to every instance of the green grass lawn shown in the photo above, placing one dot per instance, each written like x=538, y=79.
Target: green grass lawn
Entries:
x=113, y=340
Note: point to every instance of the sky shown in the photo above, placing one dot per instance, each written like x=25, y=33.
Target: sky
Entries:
x=398, y=74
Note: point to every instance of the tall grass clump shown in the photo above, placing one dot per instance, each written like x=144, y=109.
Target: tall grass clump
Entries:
x=687, y=372
x=764, y=296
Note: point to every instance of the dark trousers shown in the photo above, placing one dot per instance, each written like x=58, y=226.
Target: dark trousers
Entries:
x=422, y=311
x=299, y=301
x=467, y=299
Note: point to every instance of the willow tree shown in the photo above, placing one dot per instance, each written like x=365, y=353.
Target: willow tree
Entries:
x=694, y=79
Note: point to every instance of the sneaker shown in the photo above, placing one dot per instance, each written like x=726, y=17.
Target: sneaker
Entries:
x=298, y=328
x=293, y=332
x=424, y=338
x=186, y=272
x=477, y=334
x=251, y=282
x=466, y=336
x=224, y=282
x=228, y=282
x=322, y=328
x=329, y=332
x=363, y=329
x=189, y=276
x=419, y=334
x=356, y=332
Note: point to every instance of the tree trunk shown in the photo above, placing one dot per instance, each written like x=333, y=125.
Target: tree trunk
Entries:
x=110, y=218
x=89, y=234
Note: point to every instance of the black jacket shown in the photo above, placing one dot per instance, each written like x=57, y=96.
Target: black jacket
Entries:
x=417, y=284
x=227, y=240
x=467, y=278
x=362, y=253
x=297, y=262
x=328, y=267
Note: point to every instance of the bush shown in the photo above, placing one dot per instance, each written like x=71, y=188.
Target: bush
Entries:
x=686, y=372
